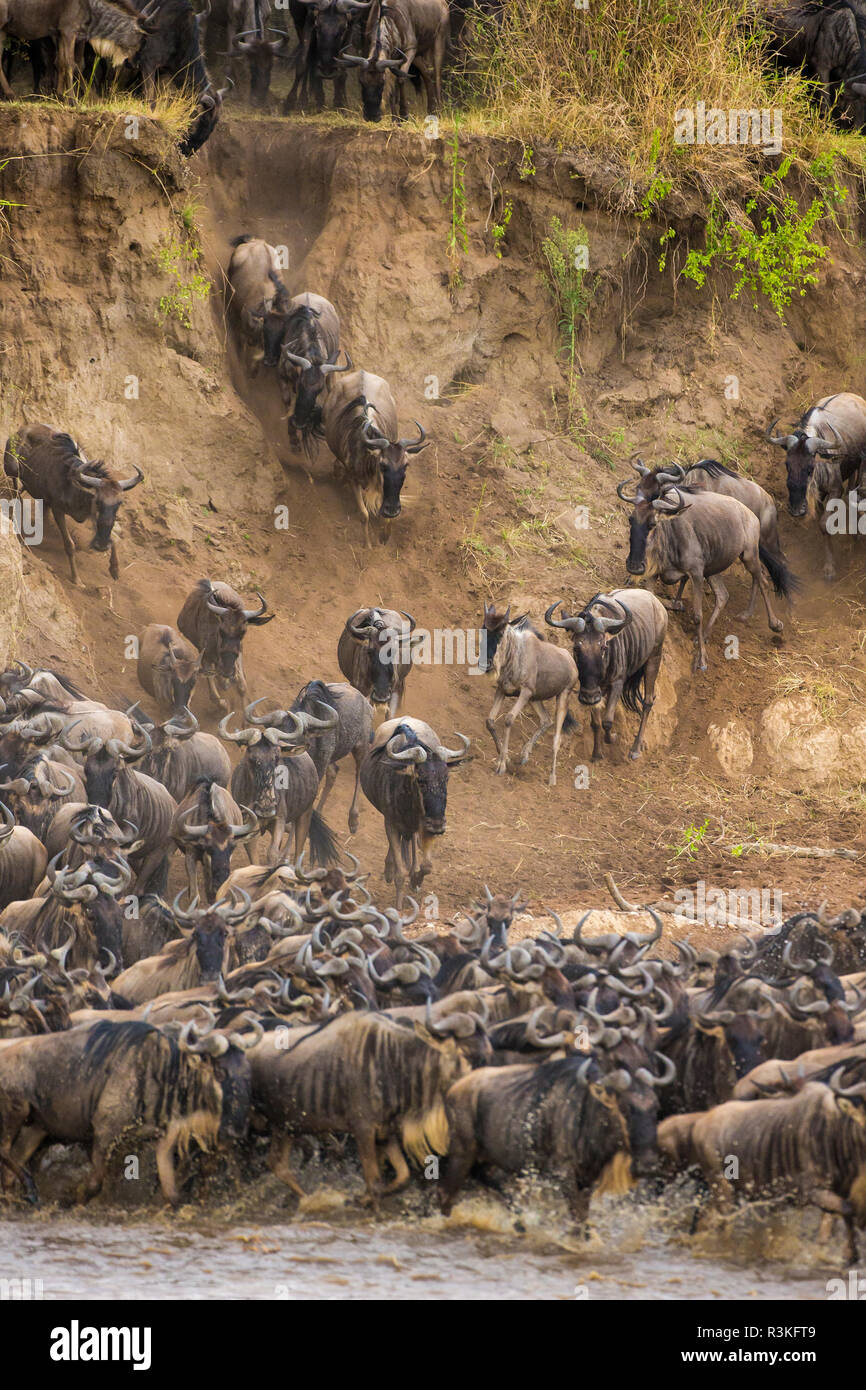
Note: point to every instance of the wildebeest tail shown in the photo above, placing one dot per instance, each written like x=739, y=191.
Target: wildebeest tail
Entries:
x=324, y=848
x=634, y=691
x=785, y=584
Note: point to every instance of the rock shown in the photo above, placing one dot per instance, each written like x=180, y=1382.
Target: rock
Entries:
x=797, y=740
x=732, y=745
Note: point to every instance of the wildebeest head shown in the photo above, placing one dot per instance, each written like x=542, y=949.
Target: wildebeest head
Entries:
x=233, y=621
x=372, y=73
x=332, y=20
x=106, y=493
x=103, y=760
x=231, y=1068
x=259, y=52
x=265, y=747
x=205, y=828
x=651, y=483
x=638, y=1104
x=393, y=460
x=93, y=892
x=591, y=635
x=34, y=793
x=208, y=929
x=209, y=107
x=175, y=673
x=493, y=628
x=802, y=448
x=276, y=318
x=311, y=371
x=428, y=768
x=384, y=647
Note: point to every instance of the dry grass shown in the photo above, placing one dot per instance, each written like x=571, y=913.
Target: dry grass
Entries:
x=611, y=77
x=173, y=109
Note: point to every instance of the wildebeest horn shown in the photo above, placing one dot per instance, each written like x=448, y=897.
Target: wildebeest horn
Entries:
x=351, y=60
x=9, y=821
x=243, y=1039
x=828, y=451
x=413, y=446
x=458, y=1025
x=620, y=492
x=640, y=467
x=454, y=755
x=785, y=441
x=240, y=735
x=670, y=501
x=213, y=1044
x=570, y=624
x=537, y=1039
x=858, y=1089
x=669, y=1071
x=20, y=785
x=313, y=721
x=374, y=440
x=296, y=360
x=666, y=476
x=414, y=754
x=177, y=729
x=328, y=367
x=118, y=749
x=90, y=744
x=254, y=615
x=129, y=483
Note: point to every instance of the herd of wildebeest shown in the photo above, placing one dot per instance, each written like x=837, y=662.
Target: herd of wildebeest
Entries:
x=275, y=998
x=389, y=44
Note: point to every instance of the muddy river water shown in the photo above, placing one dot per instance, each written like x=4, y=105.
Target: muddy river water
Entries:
x=634, y=1252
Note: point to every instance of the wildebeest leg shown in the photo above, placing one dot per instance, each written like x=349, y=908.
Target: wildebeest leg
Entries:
x=68, y=542
x=278, y=834
x=165, y=1168
x=829, y=564
x=495, y=711
x=458, y=1165
x=394, y=868
x=561, y=710
x=578, y=1199
x=544, y=723
x=240, y=681
x=148, y=867
x=651, y=672
x=610, y=711
x=191, y=873
x=328, y=781
x=595, y=719
x=365, y=1138
x=278, y=1158
x=397, y=1159
x=65, y=64
x=215, y=695
x=753, y=565
x=517, y=708
x=207, y=874
x=837, y=1206
x=697, y=581
x=4, y=82
x=354, y=814
x=720, y=594
x=340, y=92
x=677, y=602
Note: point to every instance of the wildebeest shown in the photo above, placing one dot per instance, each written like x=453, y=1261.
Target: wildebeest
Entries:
x=80, y=911
x=180, y=755
x=526, y=666
x=560, y=1116
x=811, y=1146
x=256, y=291
x=330, y=742
x=326, y=34
x=362, y=1074
x=38, y=789
x=172, y=48
x=22, y=860
x=130, y=796
x=214, y=619
x=206, y=826
x=210, y=104
x=400, y=35
x=618, y=653
x=42, y=694
x=699, y=537
x=247, y=40
x=827, y=39
x=405, y=776
x=823, y=456
x=374, y=654
x=302, y=340
x=167, y=667
x=277, y=779
x=707, y=475
x=51, y=467
x=206, y=950
x=94, y=1084
x=113, y=28
x=359, y=420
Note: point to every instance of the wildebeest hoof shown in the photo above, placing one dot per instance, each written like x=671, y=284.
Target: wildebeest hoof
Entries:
x=777, y=625
x=551, y=781
x=829, y=576
x=677, y=605
x=634, y=753
x=354, y=819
